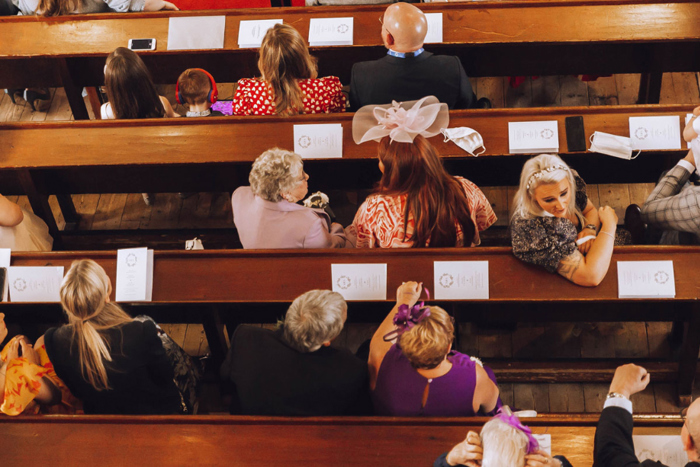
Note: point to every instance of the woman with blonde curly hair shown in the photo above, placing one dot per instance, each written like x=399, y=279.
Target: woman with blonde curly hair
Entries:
x=288, y=84
x=413, y=371
x=267, y=215
x=114, y=364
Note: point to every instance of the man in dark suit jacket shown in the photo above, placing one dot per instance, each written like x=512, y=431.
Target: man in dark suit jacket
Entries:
x=408, y=72
x=613, y=436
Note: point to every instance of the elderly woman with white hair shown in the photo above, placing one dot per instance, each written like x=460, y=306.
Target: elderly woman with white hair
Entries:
x=556, y=226
x=266, y=213
x=294, y=370
x=504, y=442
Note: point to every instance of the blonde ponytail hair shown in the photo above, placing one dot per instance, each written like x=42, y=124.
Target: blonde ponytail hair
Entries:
x=84, y=296
x=284, y=60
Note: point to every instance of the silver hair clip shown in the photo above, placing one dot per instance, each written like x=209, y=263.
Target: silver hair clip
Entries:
x=538, y=175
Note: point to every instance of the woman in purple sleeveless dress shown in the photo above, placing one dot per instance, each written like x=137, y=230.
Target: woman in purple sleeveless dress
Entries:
x=412, y=370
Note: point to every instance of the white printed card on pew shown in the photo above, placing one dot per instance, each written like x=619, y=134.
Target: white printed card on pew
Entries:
x=434, y=34
x=666, y=449
x=251, y=33
x=35, y=283
x=655, y=132
x=196, y=32
x=645, y=279
x=324, y=141
x=331, y=31
x=533, y=137
x=359, y=281
x=461, y=280
x=134, y=275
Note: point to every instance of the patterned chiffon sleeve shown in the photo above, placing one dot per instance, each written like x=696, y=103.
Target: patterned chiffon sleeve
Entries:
x=361, y=227
x=23, y=381
x=482, y=212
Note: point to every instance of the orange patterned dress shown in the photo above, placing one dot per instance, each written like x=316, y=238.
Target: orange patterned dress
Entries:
x=321, y=95
x=22, y=383
x=379, y=223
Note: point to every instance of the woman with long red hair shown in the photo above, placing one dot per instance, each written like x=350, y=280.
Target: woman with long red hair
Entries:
x=416, y=203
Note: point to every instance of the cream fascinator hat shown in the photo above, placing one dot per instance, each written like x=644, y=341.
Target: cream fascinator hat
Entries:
x=402, y=122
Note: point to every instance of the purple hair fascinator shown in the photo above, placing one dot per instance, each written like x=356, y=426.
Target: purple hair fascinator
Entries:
x=506, y=416
x=405, y=318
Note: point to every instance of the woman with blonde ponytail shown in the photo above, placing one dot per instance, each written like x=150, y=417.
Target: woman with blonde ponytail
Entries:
x=288, y=85
x=111, y=362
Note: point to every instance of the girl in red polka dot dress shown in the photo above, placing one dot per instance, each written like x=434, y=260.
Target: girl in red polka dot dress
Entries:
x=288, y=85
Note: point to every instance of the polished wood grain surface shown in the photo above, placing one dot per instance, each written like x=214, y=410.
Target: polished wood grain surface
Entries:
x=472, y=23
x=242, y=139
x=264, y=441
x=232, y=276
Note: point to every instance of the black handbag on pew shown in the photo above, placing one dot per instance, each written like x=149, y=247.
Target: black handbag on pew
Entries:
x=187, y=372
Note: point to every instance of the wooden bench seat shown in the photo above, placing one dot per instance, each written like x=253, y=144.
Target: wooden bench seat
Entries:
x=229, y=286
x=215, y=154
x=492, y=39
x=265, y=441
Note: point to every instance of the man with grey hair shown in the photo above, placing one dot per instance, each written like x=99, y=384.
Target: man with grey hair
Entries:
x=613, y=436
x=294, y=370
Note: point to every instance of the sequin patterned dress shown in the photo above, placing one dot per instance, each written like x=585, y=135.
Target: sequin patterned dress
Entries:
x=321, y=95
x=379, y=223
x=545, y=241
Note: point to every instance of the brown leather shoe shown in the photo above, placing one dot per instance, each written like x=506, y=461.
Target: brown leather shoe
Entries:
x=634, y=224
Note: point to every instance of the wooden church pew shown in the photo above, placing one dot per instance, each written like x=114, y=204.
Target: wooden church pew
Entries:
x=263, y=441
x=230, y=286
x=215, y=154
x=491, y=38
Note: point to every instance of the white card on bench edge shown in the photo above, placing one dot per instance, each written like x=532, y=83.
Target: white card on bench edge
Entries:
x=134, y=275
x=667, y=449
x=645, y=279
x=331, y=31
x=251, y=33
x=360, y=281
x=533, y=137
x=322, y=141
x=655, y=132
x=434, y=35
x=545, y=442
x=35, y=283
x=196, y=32
x=461, y=280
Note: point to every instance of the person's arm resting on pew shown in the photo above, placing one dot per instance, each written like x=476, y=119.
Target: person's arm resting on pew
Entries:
x=590, y=270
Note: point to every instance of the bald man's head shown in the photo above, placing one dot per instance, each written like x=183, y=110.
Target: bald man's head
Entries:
x=404, y=27
x=690, y=434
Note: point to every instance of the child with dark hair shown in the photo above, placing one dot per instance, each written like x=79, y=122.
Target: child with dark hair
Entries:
x=197, y=90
